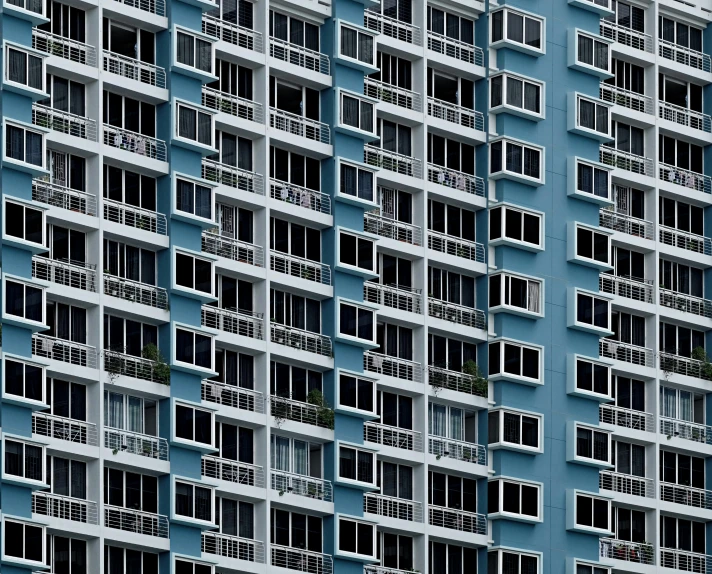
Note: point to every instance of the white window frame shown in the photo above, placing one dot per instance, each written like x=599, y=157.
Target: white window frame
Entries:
x=24, y=561
x=7, y=317
x=359, y=306
x=359, y=167
x=198, y=110
x=505, y=106
x=359, y=30
x=501, y=374
x=503, y=444
x=575, y=101
x=194, y=182
x=28, y=52
x=508, y=307
x=358, y=376
x=193, y=443
x=504, y=172
x=573, y=380
x=507, y=550
x=574, y=60
x=42, y=403
x=354, y=481
x=594, y=566
x=572, y=246
x=17, y=479
x=572, y=512
x=192, y=561
x=359, y=236
x=504, y=239
x=361, y=100
x=22, y=163
x=572, y=441
x=25, y=206
x=194, y=331
x=572, y=310
x=357, y=521
x=575, y=164
x=517, y=516
x=192, y=290
x=194, y=484
x=522, y=46
x=196, y=36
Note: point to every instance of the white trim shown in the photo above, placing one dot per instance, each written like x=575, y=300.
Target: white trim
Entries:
x=370, y=558
x=188, y=519
x=572, y=245
x=175, y=326
x=503, y=444
x=360, y=30
x=572, y=311
x=23, y=480
x=25, y=205
x=501, y=374
x=22, y=399
x=519, y=111
x=174, y=427
x=520, y=46
x=500, y=499
x=345, y=408
x=354, y=481
x=572, y=454
x=7, y=44
x=22, y=320
x=371, y=273
x=508, y=307
x=572, y=361
x=23, y=562
x=505, y=173
x=358, y=305
x=520, y=243
x=340, y=93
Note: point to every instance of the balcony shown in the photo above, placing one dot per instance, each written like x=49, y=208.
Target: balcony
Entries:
x=685, y=240
x=231, y=176
x=133, y=142
x=686, y=430
x=137, y=521
x=392, y=27
x=626, y=224
x=455, y=49
x=403, y=299
x=392, y=161
x=233, y=249
x=390, y=228
x=135, y=217
x=299, y=126
x=457, y=450
x=299, y=56
x=638, y=552
x=377, y=569
x=685, y=303
x=456, y=519
x=626, y=161
x=232, y=471
x=157, y=7
x=625, y=352
x=686, y=495
x=626, y=287
x=235, y=547
x=392, y=507
x=683, y=55
x=133, y=69
x=456, y=180
x=136, y=443
x=443, y=378
x=390, y=94
x=286, y=409
x=118, y=363
x=685, y=561
x=627, y=36
x=301, y=485
x=392, y=367
x=455, y=114
x=685, y=117
x=300, y=560
x=626, y=418
x=300, y=339
x=63, y=197
x=243, y=323
x=690, y=180
x=135, y=291
x=232, y=396
x=64, y=122
x=395, y=437
x=65, y=507
x=56, y=45
x=454, y=313
x=300, y=267
x=626, y=98
x=68, y=273
x=62, y=428
x=626, y=484
x=456, y=246
x=63, y=350
x=233, y=34
x=687, y=366
x=300, y=196
x=241, y=108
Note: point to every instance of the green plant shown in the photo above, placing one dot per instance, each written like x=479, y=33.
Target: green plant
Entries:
x=161, y=372
x=324, y=413
x=437, y=381
x=477, y=381
x=280, y=410
x=699, y=354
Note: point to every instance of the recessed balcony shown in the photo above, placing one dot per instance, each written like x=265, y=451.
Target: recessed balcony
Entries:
x=626, y=98
x=457, y=450
x=391, y=436
x=232, y=396
x=286, y=409
x=444, y=378
x=65, y=507
x=157, y=7
x=136, y=443
x=684, y=117
x=63, y=122
x=455, y=114
x=686, y=495
x=56, y=45
x=626, y=161
x=626, y=352
x=392, y=161
x=456, y=180
x=392, y=507
x=301, y=485
x=235, y=547
x=233, y=34
x=233, y=249
x=299, y=56
x=241, y=108
x=133, y=69
x=300, y=196
x=455, y=313
x=135, y=292
x=301, y=126
x=627, y=36
x=392, y=367
x=400, y=298
x=232, y=176
x=70, y=273
x=626, y=484
x=626, y=418
x=63, y=197
x=136, y=521
x=374, y=222
x=684, y=56
x=456, y=519
x=64, y=351
x=685, y=561
x=300, y=559
x=232, y=471
x=63, y=428
x=452, y=48
x=392, y=27
x=685, y=303
x=637, y=552
x=685, y=240
x=135, y=143
x=300, y=267
x=624, y=223
x=691, y=180
x=300, y=339
x=235, y=321
x=118, y=363
x=390, y=94
x=136, y=217
x=627, y=287
x=451, y=245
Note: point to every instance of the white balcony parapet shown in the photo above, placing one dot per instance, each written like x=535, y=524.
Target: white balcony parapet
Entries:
x=231, y=176
x=56, y=45
x=457, y=519
x=456, y=246
x=286, y=409
x=685, y=561
x=392, y=366
x=685, y=117
x=682, y=55
x=233, y=34
x=300, y=196
x=233, y=105
x=235, y=547
x=626, y=418
x=69, y=273
x=65, y=507
x=626, y=98
x=396, y=437
x=456, y=180
x=232, y=396
x=63, y=350
x=392, y=27
x=300, y=267
x=132, y=216
x=136, y=521
x=686, y=495
x=392, y=507
x=299, y=56
x=391, y=228
x=456, y=114
x=133, y=69
x=455, y=313
x=136, y=443
x=626, y=287
x=403, y=299
x=60, y=196
x=300, y=560
x=233, y=249
x=119, y=363
x=685, y=178
x=232, y=471
x=626, y=161
x=301, y=485
x=300, y=339
x=63, y=428
x=457, y=49
x=157, y=7
x=390, y=94
x=135, y=291
x=685, y=303
x=235, y=321
x=392, y=161
x=626, y=483
x=299, y=126
x=133, y=142
x=685, y=240
x=64, y=122
x=626, y=36
x=457, y=450
x=627, y=224
x=686, y=430
x=443, y=378
x=638, y=552
x=626, y=352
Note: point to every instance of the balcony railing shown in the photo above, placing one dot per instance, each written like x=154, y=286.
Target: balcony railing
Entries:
x=456, y=179
x=443, y=378
x=376, y=569
x=63, y=350
x=137, y=521
x=133, y=216
x=64, y=197
x=686, y=495
x=393, y=161
x=626, y=98
x=685, y=303
x=286, y=409
x=119, y=363
x=64, y=122
x=626, y=418
x=455, y=313
x=68, y=273
x=136, y=443
x=134, y=143
x=299, y=56
x=390, y=94
x=626, y=287
x=456, y=246
x=638, y=552
x=62, y=428
x=626, y=36
x=392, y=228
x=392, y=367
x=626, y=483
x=457, y=450
x=627, y=224
x=626, y=161
x=455, y=114
x=685, y=240
x=233, y=249
x=300, y=560
x=232, y=471
x=133, y=69
x=672, y=363
x=685, y=117
x=299, y=126
x=233, y=396
x=392, y=507
x=157, y=7
x=456, y=519
x=65, y=507
x=300, y=267
x=301, y=485
x=56, y=45
x=395, y=437
x=687, y=430
x=233, y=34
x=392, y=27
x=626, y=352
x=233, y=105
x=231, y=176
x=300, y=196
x=455, y=49
x=238, y=322
x=234, y=547
x=685, y=178
x=685, y=561
x=300, y=339
x=135, y=291
x=682, y=55
x=403, y=299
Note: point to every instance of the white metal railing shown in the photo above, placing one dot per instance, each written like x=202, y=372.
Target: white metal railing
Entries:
x=65, y=507
x=403, y=299
x=685, y=178
x=685, y=240
x=301, y=485
x=133, y=216
x=234, y=547
x=69, y=273
x=392, y=27
x=137, y=521
x=134, y=143
x=686, y=495
x=233, y=34
x=300, y=560
x=235, y=321
x=457, y=450
x=395, y=437
x=443, y=378
x=232, y=396
x=626, y=483
x=300, y=267
x=286, y=409
x=456, y=114
x=627, y=224
x=233, y=249
x=233, y=105
x=685, y=303
x=455, y=49
x=298, y=195
x=63, y=350
x=117, y=362
x=456, y=246
x=392, y=507
x=377, y=569
x=392, y=228
x=299, y=126
x=687, y=430
x=685, y=117
x=299, y=55
x=456, y=179
x=626, y=98
x=133, y=69
x=392, y=367
x=392, y=161
x=232, y=471
x=639, y=552
x=300, y=339
x=231, y=176
x=456, y=519
x=683, y=55
x=64, y=197
x=455, y=313
x=135, y=443
x=685, y=561
x=626, y=418
x=56, y=45
x=135, y=291
x=63, y=122
x=62, y=428
x=626, y=287
x=157, y=7
x=390, y=94
x=626, y=36
x=626, y=161
x=626, y=352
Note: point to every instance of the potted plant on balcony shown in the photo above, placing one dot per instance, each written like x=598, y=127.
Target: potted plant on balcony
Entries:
x=324, y=413
x=474, y=377
x=159, y=371
x=699, y=354
x=437, y=380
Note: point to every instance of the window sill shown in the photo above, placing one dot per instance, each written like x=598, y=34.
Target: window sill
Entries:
x=507, y=446
x=591, y=7
x=186, y=217
x=592, y=70
x=193, y=294
x=513, y=176
x=24, y=402
x=367, y=69
x=203, y=149
x=195, y=73
x=35, y=95
x=192, y=445
x=515, y=311
x=33, y=170
x=363, y=486
x=356, y=133
x=505, y=241
x=600, y=265
x=24, y=482
x=352, y=270
x=504, y=43
x=515, y=379
x=34, y=326
x=357, y=413
x=502, y=515
x=356, y=342
x=365, y=204
x=17, y=12
x=192, y=522
x=18, y=243
x=507, y=109
x=583, y=196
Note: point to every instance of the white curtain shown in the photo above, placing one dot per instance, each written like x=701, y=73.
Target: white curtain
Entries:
x=456, y=426
x=533, y=296
x=667, y=402
x=280, y=453
x=113, y=410
x=301, y=457
x=135, y=420
x=686, y=405
x=436, y=420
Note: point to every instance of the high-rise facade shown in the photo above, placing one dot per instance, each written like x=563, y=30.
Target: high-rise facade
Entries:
x=334, y=286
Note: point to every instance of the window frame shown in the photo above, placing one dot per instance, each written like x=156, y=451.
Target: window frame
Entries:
x=23, y=561
x=572, y=246
x=369, y=558
x=16, y=86
x=193, y=69
x=573, y=381
x=357, y=199
x=505, y=106
x=186, y=215
x=502, y=444
x=22, y=164
x=508, y=174
x=361, y=100
x=501, y=374
x=369, y=415
x=574, y=165
x=192, y=367
x=188, y=443
x=355, y=269
x=576, y=63
x=520, y=46
x=22, y=399
x=204, y=296
x=503, y=307
x=572, y=454
x=23, y=480
x=22, y=321
x=572, y=512
x=370, y=66
x=503, y=239
x=572, y=311
x=501, y=513
x=354, y=482
x=373, y=309
x=187, y=142
x=188, y=519
x=35, y=247
x=574, y=111
x=499, y=550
